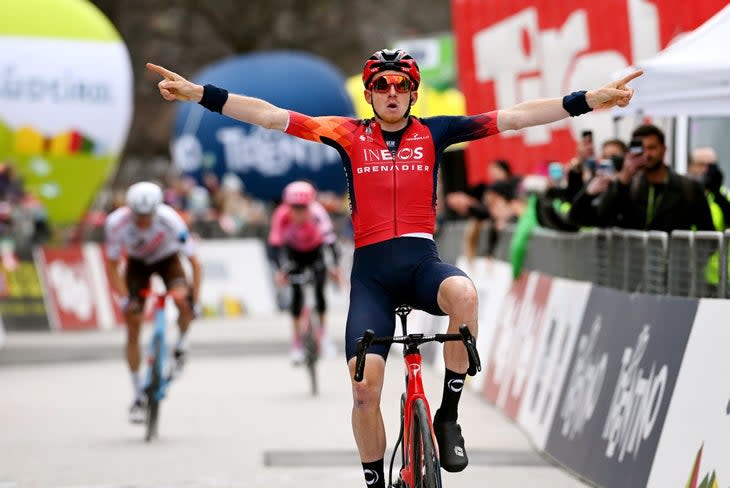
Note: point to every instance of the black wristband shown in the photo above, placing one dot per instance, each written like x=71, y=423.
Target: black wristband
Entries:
x=214, y=98
x=575, y=103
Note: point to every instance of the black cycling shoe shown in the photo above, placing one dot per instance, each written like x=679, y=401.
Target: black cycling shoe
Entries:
x=179, y=356
x=451, y=445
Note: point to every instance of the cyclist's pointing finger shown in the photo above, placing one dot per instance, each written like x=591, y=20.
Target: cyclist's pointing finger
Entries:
x=166, y=73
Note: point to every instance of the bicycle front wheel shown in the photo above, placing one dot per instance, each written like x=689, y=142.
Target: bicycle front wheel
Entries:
x=426, y=469
x=153, y=400
x=311, y=350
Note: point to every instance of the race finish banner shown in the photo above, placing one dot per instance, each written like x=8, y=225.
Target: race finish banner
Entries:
x=21, y=298
x=528, y=49
x=619, y=384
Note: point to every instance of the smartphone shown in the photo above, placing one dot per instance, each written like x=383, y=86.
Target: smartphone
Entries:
x=636, y=146
x=605, y=167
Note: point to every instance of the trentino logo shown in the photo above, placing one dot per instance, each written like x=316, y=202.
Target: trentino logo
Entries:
x=710, y=479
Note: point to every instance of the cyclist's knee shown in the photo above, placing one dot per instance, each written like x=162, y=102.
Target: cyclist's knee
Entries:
x=366, y=395
x=457, y=294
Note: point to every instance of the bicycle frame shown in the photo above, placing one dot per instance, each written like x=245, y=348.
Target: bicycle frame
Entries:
x=414, y=391
x=157, y=357
x=414, y=386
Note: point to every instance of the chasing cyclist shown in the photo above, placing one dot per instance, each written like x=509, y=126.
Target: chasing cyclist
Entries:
x=391, y=163
x=301, y=229
x=153, y=236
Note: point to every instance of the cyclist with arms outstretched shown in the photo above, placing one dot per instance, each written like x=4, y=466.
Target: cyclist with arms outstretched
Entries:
x=301, y=231
x=153, y=236
x=391, y=163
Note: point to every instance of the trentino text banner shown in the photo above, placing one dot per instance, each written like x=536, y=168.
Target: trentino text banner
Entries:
x=619, y=384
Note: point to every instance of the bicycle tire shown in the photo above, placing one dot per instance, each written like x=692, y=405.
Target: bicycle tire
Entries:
x=426, y=468
x=309, y=341
x=153, y=401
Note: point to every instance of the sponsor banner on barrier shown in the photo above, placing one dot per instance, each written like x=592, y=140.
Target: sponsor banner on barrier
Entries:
x=70, y=286
x=21, y=298
x=236, y=278
x=695, y=441
x=619, y=385
x=512, y=354
x=492, y=279
x=562, y=319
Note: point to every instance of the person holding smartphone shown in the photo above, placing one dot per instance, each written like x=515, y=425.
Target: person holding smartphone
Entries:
x=647, y=194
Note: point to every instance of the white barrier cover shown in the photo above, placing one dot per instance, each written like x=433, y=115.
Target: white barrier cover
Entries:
x=695, y=441
x=492, y=280
x=236, y=270
x=562, y=319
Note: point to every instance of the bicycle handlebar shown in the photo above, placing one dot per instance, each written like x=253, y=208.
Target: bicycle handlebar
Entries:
x=368, y=339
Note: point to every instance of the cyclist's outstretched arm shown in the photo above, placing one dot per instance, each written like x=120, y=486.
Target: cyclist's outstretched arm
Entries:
x=246, y=109
x=544, y=111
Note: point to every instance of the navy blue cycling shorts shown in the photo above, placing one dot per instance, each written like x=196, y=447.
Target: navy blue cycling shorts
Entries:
x=400, y=271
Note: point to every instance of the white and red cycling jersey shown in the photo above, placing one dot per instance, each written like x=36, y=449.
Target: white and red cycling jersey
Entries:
x=305, y=236
x=167, y=235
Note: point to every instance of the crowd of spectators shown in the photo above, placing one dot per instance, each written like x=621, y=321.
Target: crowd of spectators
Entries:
x=23, y=221
x=618, y=185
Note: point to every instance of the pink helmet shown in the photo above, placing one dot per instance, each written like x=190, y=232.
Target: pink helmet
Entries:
x=299, y=193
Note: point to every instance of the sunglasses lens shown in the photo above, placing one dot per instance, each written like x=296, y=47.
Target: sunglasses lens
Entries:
x=382, y=85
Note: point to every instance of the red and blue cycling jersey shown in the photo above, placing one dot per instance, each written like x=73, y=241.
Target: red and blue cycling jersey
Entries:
x=391, y=196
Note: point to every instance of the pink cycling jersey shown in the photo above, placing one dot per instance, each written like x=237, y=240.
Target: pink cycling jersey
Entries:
x=391, y=196
x=302, y=237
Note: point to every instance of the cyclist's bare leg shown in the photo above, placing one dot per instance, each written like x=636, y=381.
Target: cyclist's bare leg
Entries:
x=133, y=319
x=367, y=420
x=457, y=297
x=185, y=312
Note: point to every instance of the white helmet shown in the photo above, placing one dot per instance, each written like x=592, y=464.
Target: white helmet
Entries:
x=144, y=197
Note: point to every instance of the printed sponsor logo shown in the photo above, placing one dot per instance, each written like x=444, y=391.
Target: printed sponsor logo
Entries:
x=386, y=168
x=416, y=137
x=585, y=384
x=16, y=86
x=269, y=152
x=71, y=288
x=371, y=477
x=456, y=385
x=708, y=481
x=378, y=156
x=636, y=402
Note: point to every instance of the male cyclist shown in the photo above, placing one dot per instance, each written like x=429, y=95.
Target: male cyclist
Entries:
x=391, y=163
x=300, y=230
x=153, y=236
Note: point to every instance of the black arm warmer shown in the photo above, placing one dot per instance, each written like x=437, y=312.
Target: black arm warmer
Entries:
x=575, y=103
x=274, y=255
x=214, y=98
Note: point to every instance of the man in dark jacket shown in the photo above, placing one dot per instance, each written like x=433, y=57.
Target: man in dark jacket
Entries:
x=646, y=194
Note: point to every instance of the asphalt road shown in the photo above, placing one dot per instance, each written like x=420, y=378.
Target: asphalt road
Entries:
x=240, y=416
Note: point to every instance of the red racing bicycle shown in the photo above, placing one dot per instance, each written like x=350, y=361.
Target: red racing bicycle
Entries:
x=420, y=466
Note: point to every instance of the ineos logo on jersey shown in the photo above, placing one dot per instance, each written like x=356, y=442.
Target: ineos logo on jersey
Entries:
x=380, y=155
x=456, y=385
x=371, y=477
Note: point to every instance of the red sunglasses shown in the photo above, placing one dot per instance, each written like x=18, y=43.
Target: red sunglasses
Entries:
x=382, y=84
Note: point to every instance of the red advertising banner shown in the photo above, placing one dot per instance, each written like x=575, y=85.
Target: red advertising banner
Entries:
x=69, y=288
x=516, y=340
x=509, y=52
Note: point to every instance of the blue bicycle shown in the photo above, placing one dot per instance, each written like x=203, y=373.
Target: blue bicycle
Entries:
x=159, y=373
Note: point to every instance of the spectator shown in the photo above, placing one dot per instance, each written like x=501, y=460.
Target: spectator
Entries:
x=703, y=167
x=646, y=194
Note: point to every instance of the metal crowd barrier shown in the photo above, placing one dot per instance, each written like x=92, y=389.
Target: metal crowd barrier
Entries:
x=685, y=263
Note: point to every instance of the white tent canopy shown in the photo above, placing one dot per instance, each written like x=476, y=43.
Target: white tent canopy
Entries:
x=689, y=77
